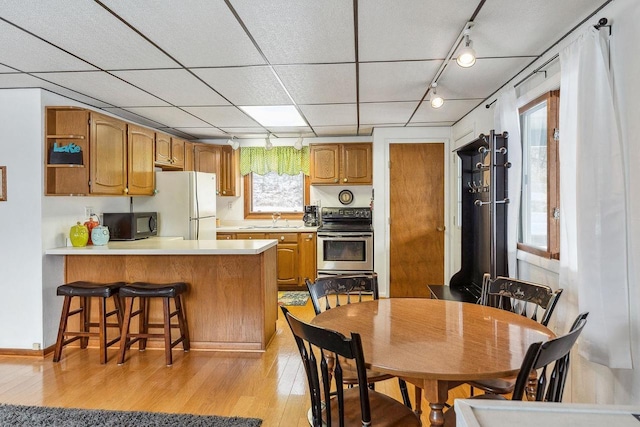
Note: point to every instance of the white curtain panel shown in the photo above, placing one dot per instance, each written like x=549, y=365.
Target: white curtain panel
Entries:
x=506, y=119
x=593, y=241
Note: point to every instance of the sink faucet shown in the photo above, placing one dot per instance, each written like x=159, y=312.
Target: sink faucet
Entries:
x=275, y=217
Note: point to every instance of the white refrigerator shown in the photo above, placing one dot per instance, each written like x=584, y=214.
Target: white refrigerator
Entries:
x=186, y=204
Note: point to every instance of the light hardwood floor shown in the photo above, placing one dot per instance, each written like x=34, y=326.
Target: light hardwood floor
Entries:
x=271, y=385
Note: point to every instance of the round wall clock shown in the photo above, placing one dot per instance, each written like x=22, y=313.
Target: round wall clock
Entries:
x=345, y=197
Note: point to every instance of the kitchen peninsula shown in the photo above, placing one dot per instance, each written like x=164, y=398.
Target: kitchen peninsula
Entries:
x=232, y=299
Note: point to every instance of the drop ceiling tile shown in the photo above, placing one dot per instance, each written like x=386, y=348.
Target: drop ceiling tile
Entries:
x=509, y=28
x=336, y=130
x=14, y=43
x=203, y=132
x=245, y=85
x=431, y=124
x=135, y=118
x=386, y=112
x=75, y=96
x=330, y=114
x=169, y=116
x=87, y=30
x=5, y=69
x=319, y=83
x=102, y=86
x=223, y=116
x=479, y=81
x=312, y=32
x=451, y=111
x=396, y=81
x=178, y=133
x=178, y=87
x=196, y=33
x=19, y=80
x=416, y=30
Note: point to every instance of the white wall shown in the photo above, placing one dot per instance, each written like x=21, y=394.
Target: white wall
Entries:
x=589, y=382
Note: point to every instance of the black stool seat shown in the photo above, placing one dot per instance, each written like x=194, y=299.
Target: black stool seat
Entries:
x=89, y=289
x=150, y=290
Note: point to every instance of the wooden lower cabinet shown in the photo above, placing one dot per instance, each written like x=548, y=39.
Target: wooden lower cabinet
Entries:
x=296, y=254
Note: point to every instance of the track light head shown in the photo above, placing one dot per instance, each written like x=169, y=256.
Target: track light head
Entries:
x=436, y=100
x=467, y=55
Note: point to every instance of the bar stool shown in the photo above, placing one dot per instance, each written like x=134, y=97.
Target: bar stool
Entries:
x=143, y=291
x=85, y=291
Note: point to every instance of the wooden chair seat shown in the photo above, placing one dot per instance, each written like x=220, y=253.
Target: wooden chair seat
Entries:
x=385, y=410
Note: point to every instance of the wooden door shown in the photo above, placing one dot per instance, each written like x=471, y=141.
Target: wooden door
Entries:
x=163, y=149
x=228, y=171
x=108, y=151
x=356, y=163
x=307, y=252
x=188, y=156
x=325, y=163
x=177, y=153
x=416, y=201
x=140, y=172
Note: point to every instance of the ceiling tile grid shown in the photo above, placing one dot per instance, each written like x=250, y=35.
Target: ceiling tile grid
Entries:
x=348, y=66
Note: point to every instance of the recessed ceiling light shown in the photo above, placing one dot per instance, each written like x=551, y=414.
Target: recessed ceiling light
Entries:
x=275, y=115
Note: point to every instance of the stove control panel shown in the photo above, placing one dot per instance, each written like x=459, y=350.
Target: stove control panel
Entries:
x=346, y=214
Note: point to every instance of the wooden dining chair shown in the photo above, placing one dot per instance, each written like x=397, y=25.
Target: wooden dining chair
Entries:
x=328, y=292
x=355, y=406
x=551, y=358
x=526, y=298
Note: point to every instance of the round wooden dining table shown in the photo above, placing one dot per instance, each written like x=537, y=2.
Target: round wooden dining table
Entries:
x=436, y=344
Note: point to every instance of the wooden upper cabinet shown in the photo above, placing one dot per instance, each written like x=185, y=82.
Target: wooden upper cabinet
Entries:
x=163, y=149
x=346, y=164
x=356, y=162
x=207, y=158
x=177, y=153
x=188, y=156
x=227, y=171
x=140, y=171
x=325, y=163
x=169, y=152
x=108, y=152
x=66, y=125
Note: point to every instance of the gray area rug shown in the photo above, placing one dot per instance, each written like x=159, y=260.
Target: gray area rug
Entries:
x=293, y=297
x=35, y=416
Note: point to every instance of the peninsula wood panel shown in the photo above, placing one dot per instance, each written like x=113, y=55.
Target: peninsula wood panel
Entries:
x=231, y=303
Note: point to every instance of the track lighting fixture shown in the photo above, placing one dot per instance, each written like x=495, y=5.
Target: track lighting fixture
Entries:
x=436, y=100
x=467, y=56
x=233, y=143
x=268, y=145
x=298, y=144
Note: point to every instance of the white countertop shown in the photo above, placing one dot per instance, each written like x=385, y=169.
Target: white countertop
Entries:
x=170, y=246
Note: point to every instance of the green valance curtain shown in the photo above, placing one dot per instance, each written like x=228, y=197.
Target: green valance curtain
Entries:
x=283, y=160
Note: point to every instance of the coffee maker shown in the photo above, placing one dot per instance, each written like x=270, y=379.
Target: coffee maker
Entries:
x=310, y=216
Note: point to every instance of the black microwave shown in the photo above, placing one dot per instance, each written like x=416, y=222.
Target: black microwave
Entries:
x=131, y=225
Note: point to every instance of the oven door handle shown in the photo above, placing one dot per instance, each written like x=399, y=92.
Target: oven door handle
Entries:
x=342, y=236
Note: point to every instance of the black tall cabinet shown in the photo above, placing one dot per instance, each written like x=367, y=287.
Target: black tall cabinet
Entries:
x=484, y=212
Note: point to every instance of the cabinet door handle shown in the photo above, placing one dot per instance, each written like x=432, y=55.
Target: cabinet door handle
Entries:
x=281, y=237
x=126, y=190
x=344, y=180
x=441, y=228
x=335, y=180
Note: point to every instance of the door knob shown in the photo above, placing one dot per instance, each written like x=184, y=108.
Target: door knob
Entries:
x=441, y=228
